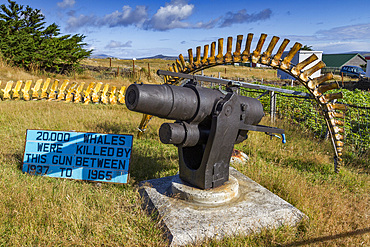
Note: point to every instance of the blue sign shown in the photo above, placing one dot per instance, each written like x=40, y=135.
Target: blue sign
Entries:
x=78, y=155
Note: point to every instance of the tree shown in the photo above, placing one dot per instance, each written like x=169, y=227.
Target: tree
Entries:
x=26, y=42
x=306, y=48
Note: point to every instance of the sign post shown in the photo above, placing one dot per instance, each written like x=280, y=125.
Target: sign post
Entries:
x=78, y=155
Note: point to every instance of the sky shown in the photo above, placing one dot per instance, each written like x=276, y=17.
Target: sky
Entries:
x=143, y=28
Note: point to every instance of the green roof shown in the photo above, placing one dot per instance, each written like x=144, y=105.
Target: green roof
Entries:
x=338, y=60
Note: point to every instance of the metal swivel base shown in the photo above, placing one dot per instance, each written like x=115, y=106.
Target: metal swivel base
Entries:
x=190, y=215
x=217, y=196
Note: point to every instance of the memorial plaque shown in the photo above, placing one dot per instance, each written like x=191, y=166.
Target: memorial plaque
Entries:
x=78, y=155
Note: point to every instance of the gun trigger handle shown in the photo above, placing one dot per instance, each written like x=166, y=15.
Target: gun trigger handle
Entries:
x=283, y=140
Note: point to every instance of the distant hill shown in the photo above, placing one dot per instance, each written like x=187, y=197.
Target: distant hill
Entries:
x=100, y=56
x=363, y=53
x=164, y=57
x=160, y=56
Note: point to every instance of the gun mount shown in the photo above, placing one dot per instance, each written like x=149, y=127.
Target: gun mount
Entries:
x=208, y=124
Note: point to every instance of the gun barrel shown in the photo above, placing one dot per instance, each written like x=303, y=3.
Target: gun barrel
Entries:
x=165, y=101
x=185, y=103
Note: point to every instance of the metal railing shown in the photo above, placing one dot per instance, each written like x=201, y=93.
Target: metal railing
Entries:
x=302, y=110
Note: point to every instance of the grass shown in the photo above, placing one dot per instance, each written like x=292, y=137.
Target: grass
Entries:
x=8, y=73
x=45, y=211
x=142, y=68
x=225, y=71
x=229, y=71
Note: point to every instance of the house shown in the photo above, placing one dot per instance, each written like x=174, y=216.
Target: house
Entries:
x=299, y=57
x=334, y=62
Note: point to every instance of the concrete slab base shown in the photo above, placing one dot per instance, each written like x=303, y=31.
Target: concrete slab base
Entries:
x=254, y=208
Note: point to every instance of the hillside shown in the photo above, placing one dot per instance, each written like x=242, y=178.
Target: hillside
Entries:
x=8, y=73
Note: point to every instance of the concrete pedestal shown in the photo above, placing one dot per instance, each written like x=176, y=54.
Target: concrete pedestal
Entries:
x=195, y=218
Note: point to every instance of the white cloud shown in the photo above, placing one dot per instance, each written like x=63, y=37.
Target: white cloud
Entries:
x=127, y=17
x=117, y=44
x=66, y=4
x=76, y=22
x=174, y=14
x=303, y=38
x=338, y=39
x=359, y=31
x=342, y=46
x=171, y=16
x=243, y=17
x=207, y=25
x=352, y=32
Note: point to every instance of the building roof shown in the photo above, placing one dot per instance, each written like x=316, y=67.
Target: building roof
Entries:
x=338, y=60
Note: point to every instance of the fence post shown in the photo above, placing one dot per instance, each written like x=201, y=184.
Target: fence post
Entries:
x=272, y=106
x=133, y=67
x=149, y=76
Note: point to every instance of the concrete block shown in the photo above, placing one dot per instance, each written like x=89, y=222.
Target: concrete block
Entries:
x=185, y=222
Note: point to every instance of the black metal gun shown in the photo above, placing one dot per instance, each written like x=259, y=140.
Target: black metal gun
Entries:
x=208, y=124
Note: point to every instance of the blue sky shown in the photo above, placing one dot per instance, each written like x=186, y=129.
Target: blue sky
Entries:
x=141, y=28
